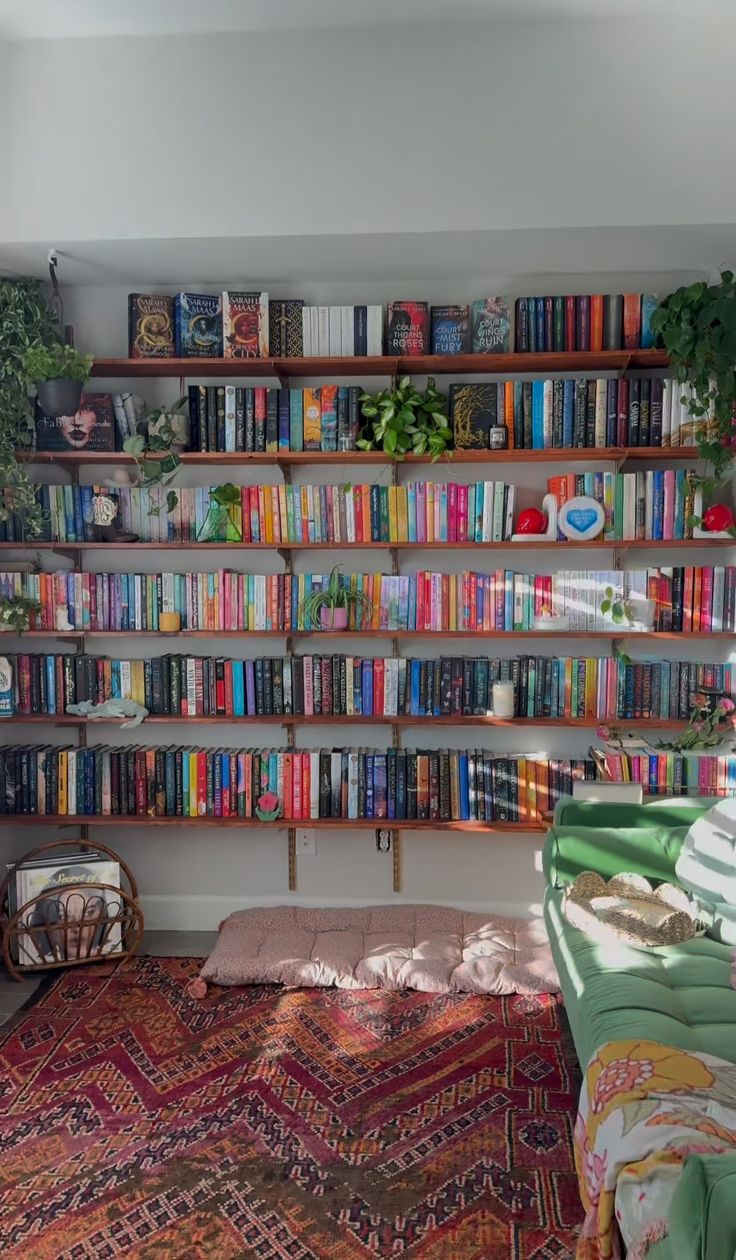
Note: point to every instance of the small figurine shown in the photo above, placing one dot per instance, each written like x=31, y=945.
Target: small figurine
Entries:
x=104, y=520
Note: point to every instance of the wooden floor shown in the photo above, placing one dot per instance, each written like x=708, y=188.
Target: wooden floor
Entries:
x=14, y=993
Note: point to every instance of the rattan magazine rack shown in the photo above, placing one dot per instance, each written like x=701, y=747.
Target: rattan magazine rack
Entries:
x=74, y=918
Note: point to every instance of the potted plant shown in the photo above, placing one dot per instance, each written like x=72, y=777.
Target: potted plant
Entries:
x=404, y=420
x=636, y=612
x=59, y=373
x=329, y=608
x=223, y=522
x=15, y=613
x=155, y=449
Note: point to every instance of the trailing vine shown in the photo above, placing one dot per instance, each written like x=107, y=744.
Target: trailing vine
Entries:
x=25, y=323
x=697, y=327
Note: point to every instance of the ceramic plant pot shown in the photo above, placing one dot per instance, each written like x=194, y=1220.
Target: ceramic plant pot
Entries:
x=333, y=618
x=60, y=397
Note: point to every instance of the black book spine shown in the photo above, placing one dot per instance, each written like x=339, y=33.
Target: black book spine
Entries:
x=644, y=412
x=678, y=578
x=558, y=392
x=411, y=785
x=297, y=684
x=212, y=417
x=655, y=412
x=250, y=420
x=272, y=420
x=580, y=413
x=590, y=414
x=634, y=401
x=613, y=316
x=202, y=413
x=522, y=325
x=268, y=685
x=558, y=339
x=325, y=784
x=194, y=436
x=612, y=412
x=467, y=687
x=445, y=687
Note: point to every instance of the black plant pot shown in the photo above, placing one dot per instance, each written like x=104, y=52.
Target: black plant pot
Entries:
x=60, y=397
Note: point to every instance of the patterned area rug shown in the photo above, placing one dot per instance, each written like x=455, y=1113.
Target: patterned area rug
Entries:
x=284, y=1125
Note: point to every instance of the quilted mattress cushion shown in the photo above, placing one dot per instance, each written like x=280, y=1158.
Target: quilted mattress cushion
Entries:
x=432, y=948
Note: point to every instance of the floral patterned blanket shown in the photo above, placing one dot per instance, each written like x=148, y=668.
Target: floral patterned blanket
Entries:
x=643, y=1108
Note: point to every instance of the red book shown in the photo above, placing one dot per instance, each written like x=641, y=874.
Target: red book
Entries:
x=706, y=599
x=201, y=783
x=582, y=322
x=378, y=685
x=421, y=615
x=622, y=416
x=697, y=599
x=632, y=320
x=687, y=599
x=596, y=321
x=287, y=798
x=408, y=328
x=549, y=324
x=247, y=771
x=306, y=786
x=570, y=343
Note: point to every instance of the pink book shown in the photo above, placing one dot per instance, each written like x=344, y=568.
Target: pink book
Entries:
x=706, y=599
x=462, y=514
x=308, y=666
x=420, y=602
x=668, y=515
x=452, y=513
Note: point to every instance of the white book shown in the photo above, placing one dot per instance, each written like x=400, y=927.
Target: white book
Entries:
x=666, y=410
x=314, y=329
x=324, y=330
x=106, y=784
x=347, y=334
x=350, y=514
x=349, y=685
x=260, y=601
x=547, y=403
x=629, y=511
x=375, y=330
x=335, y=330
x=601, y=387
x=71, y=781
x=229, y=417
x=393, y=690
x=487, y=524
x=306, y=332
x=352, y=783
x=498, y=513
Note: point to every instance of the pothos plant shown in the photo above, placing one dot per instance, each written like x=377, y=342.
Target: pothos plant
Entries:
x=697, y=327
x=15, y=612
x=158, y=463
x=25, y=323
x=404, y=420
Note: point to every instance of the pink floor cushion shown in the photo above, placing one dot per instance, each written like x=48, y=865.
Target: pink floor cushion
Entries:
x=432, y=948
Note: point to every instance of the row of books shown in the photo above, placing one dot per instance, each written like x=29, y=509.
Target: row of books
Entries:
x=235, y=418
x=249, y=325
x=441, y=786
x=654, y=504
x=588, y=321
x=557, y=414
x=688, y=598
x=359, y=686
x=417, y=512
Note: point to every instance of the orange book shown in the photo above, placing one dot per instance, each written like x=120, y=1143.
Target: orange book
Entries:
x=697, y=599
x=542, y=788
x=312, y=419
x=632, y=320
x=376, y=598
x=508, y=411
x=531, y=785
x=596, y=321
x=267, y=515
x=393, y=514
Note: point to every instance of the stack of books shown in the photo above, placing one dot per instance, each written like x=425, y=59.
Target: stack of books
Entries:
x=673, y=774
x=350, y=783
x=692, y=598
x=557, y=414
x=235, y=418
x=374, y=686
x=419, y=512
x=341, y=331
x=597, y=321
x=655, y=504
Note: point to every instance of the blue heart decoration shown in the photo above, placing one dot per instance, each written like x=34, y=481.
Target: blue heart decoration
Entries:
x=582, y=518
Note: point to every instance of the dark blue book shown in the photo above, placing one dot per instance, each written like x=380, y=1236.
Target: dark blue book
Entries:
x=198, y=325
x=568, y=413
x=611, y=411
x=450, y=330
x=367, y=680
x=284, y=419
x=541, y=325
x=360, y=330
x=658, y=505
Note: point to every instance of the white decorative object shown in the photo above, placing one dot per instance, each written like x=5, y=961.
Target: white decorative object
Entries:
x=582, y=518
x=643, y=610
x=549, y=507
x=604, y=792
x=547, y=621
x=503, y=699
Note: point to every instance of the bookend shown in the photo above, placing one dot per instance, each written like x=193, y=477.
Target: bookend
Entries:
x=549, y=507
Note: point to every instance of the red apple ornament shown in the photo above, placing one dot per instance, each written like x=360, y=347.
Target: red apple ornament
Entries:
x=718, y=517
x=531, y=521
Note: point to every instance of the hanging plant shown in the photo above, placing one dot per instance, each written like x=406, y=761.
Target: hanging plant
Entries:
x=59, y=374
x=25, y=322
x=405, y=420
x=157, y=452
x=697, y=327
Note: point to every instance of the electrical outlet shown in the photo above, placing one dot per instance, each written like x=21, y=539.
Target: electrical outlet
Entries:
x=306, y=842
x=383, y=839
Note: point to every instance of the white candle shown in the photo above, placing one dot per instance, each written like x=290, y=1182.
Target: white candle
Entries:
x=503, y=699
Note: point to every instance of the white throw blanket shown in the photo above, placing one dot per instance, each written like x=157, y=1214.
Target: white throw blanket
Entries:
x=706, y=867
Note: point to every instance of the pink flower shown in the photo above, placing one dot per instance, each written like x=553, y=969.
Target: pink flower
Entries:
x=603, y=732
x=726, y=705
x=699, y=700
x=267, y=802
x=618, y=1077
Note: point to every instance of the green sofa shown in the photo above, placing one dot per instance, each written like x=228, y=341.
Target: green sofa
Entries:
x=680, y=995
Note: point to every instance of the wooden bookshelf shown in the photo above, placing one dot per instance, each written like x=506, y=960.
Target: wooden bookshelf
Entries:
x=280, y=824
x=310, y=459
x=579, y=361
x=481, y=635
x=597, y=544
x=332, y=719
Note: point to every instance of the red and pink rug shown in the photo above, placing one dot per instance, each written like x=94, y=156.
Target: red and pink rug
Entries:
x=287, y=1125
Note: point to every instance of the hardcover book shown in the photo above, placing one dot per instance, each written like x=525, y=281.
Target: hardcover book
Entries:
x=91, y=429
x=285, y=328
x=198, y=325
x=450, y=333
x=245, y=325
x=408, y=328
x=150, y=326
x=491, y=326
x=473, y=411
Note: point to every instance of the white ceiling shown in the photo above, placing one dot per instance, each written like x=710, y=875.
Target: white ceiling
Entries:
x=64, y=19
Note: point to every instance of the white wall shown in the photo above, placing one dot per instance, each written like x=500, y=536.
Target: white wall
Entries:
x=519, y=124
